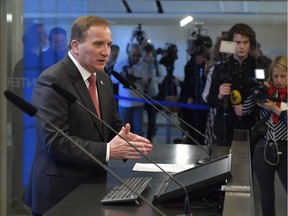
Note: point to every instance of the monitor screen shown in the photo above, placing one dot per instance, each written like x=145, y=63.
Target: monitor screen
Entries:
x=197, y=180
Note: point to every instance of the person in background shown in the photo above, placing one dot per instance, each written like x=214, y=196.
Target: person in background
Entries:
x=262, y=61
x=57, y=48
x=216, y=57
x=109, y=68
x=151, y=89
x=135, y=71
x=235, y=74
x=270, y=154
x=59, y=167
x=25, y=73
x=192, y=87
x=41, y=30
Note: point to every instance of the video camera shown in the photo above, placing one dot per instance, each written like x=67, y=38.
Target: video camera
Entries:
x=259, y=92
x=199, y=41
x=139, y=34
x=131, y=78
x=169, y=55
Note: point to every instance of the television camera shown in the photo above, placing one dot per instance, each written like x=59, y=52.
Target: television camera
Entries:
x=200, y=42
x=139, y=34
x=168, y=55
x=259, y=92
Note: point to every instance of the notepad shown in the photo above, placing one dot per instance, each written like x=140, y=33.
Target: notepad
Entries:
x=171, y=168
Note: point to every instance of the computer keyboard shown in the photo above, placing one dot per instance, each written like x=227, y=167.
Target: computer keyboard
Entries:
x=120, y=193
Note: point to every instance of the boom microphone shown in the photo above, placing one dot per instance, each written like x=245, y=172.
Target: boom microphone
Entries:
x=126, y=83
x=70, y=97
x=32, y=111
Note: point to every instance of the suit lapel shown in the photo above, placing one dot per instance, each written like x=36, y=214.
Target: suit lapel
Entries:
x=102, y=97
x=83, y=92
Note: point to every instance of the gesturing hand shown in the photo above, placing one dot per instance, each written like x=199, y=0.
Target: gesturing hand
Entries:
x=120, y=149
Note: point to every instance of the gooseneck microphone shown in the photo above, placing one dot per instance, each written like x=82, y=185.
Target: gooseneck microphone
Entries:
x=72, y=99
x=32, y=111
x=127, y=84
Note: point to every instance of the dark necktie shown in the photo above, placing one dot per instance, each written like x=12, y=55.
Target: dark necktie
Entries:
x=92, y=90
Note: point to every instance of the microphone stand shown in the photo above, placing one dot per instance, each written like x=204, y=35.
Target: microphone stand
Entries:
x=32, y=111
x=68, y=96
x=134, y=88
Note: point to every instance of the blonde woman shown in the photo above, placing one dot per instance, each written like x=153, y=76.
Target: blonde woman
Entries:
x=270, y=154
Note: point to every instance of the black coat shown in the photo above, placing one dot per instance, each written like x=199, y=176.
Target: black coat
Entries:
x=241, y=78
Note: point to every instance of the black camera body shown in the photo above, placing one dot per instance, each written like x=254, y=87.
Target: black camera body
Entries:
x=259, y=94
x=200, y=42
x=131, y=78
x=169, y=55
x=139, y=34
x=224, y=71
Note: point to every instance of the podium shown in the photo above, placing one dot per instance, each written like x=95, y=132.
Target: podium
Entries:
x=85, y=200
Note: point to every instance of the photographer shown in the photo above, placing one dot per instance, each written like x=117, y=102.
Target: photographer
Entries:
x=193, y=84
x=135, y=71
x=168, y=87
x=233, y=74
x=270, y=154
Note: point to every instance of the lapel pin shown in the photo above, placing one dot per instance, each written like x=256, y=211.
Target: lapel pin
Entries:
x=101, y=82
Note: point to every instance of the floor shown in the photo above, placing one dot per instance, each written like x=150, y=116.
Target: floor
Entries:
x=167, y=133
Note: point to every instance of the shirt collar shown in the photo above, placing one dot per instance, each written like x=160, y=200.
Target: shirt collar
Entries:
x=84, y=73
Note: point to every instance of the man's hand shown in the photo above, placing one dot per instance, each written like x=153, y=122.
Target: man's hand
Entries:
x=120, y=149
x=238, y=109
x=224, y=89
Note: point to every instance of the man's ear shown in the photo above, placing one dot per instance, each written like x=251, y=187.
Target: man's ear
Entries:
x=74, y=46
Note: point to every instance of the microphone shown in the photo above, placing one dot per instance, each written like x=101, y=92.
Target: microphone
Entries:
x=72, y=99
x=235, y=97
x=32, y=111
x=126, y=83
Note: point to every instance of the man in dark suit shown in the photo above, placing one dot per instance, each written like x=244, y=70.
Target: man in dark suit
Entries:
x=59, y=167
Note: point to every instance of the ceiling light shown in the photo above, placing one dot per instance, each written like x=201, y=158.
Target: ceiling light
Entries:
x=185, y=21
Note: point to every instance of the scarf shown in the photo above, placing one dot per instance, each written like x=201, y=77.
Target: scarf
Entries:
x=279, y=93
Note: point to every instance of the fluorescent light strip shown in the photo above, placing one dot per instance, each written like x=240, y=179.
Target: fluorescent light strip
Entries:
x=185, y=21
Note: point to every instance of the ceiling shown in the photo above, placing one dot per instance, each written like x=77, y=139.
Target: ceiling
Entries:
x=166, y=12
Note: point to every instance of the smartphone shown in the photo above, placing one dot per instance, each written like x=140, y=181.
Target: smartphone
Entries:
x=260, y=74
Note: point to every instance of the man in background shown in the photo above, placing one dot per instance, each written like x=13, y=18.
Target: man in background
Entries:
x=57, y=48
x=235, y=74
x=109, y=68
x=135, y=71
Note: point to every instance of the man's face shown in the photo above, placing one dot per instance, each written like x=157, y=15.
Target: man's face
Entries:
x=58, y=43
x=114, y=54
x=93, y=53
x=242, y=45
x=135, y=55
x=43, y=36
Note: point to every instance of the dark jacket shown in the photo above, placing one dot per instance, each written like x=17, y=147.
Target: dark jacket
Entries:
x=241, y=78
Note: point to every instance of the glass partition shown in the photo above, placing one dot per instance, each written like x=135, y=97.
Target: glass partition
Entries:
x=38, y=35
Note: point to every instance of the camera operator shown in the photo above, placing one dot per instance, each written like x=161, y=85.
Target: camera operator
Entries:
x=109, y=67
x=168, y=87
x=193, y=84
x=270, y=154
x=135, y=71
x=152, y=89
x=233, y=74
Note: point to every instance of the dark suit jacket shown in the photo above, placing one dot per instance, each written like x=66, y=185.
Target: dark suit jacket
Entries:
x=59, y=167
